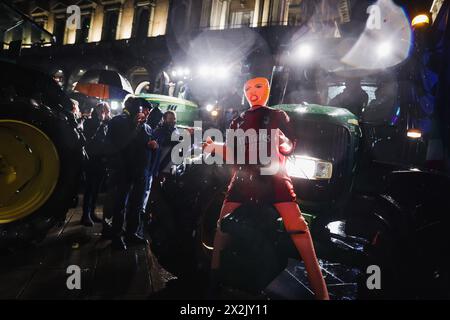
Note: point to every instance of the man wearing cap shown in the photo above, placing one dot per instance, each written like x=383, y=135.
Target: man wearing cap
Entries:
x=129, y=157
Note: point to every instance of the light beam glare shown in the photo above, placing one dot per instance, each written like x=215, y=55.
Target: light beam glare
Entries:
x=386, y=40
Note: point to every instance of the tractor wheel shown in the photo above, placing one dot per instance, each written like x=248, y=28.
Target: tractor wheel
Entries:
x=40, y=165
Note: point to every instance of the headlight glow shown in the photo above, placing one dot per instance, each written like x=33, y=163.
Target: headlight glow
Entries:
x=414, y=134
x=305, y=167
x=305, y=51
x=420, y=20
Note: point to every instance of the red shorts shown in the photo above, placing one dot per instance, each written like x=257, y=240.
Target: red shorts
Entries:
x=248, y=186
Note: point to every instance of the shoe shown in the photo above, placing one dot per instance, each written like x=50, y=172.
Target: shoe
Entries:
x=119, y=244
x=136, y=240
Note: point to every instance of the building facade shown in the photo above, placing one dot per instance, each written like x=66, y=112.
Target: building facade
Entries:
x=150, y=40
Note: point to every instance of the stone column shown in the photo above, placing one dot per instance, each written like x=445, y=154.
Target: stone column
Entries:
x=265, y=13
x=126, y=20
x=224, y=14
x=95, y=34
x=256, y=12
x=206, y=13
x=161, y=17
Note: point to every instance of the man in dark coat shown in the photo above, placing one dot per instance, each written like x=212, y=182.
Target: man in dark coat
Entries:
x=95, y=166
x=129, y=161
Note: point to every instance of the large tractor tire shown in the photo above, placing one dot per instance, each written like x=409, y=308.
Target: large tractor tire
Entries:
x=40, y=166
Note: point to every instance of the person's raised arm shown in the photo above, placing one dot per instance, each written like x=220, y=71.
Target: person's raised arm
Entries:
x=210, y=146
x=287, y=137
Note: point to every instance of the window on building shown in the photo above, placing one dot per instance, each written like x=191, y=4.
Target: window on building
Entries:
x=143, y=21
x=241, y=13
x=241, y=18
x=231, y=13
x=36, y=34
x=295, y=13
x=83, y=33
x=110, y=22
x=59, y=29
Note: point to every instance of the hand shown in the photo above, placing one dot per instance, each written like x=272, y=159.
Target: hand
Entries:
x=190, y=130
x=285, y=145
x=282, y=138
x=106, y=115
x=208, y=145
x=153, y=144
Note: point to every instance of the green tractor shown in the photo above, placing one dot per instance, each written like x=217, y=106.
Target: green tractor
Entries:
x=41, y=150
x=187, y=111
x=361, y=181
x=361, y=210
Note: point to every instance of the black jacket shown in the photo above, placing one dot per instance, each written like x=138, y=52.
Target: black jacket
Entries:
x=127, y=146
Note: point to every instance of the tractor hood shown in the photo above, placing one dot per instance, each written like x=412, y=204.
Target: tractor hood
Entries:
x=187, y=111
x=319, y=113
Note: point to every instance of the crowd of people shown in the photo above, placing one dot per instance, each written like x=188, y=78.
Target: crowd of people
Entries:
x=124, y=154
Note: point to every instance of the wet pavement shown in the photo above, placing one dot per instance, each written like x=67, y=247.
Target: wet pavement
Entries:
x=40, y=272
x=292, y=283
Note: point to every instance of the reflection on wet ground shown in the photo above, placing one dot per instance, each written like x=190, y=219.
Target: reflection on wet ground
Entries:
x=40, y=272
x=292, y=283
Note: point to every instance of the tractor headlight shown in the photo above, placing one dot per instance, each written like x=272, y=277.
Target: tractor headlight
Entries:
x=305, y=167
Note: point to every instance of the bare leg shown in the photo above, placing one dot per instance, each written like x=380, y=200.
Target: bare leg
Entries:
x=221, y=239
x=293, y=221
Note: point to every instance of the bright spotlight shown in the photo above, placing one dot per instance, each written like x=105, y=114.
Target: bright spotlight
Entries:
x=174, y=73
x=414, y=134
x=186, y=71
x=115, y=105
x=305, y=51
x=204, y=71
x=222, y=72
x=214, y=113
x=419, y=20
x=384, y=49
x=209, y=107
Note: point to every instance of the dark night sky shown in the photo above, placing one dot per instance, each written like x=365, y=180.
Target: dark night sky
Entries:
x=359, y=13
x=415, y=6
